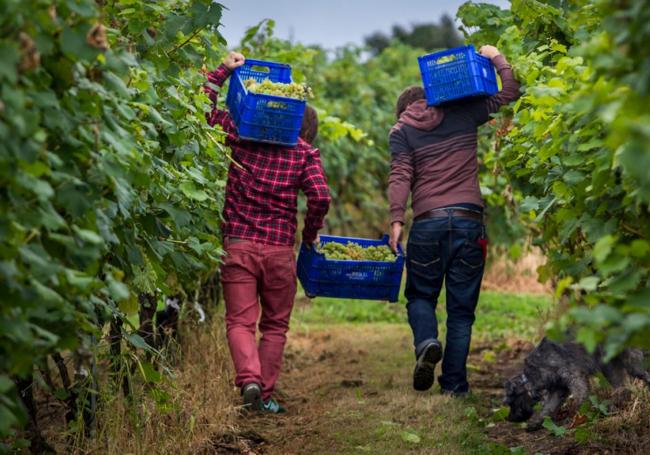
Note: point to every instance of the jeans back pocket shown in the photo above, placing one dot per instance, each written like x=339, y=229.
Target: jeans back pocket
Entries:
x=424, y=259
x=469, y=259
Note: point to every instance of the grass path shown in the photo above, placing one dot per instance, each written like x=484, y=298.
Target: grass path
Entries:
x=351, y=393
x=348, y=384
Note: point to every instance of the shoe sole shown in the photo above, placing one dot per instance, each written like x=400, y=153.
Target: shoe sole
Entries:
x=423, y=375
x=253, y=399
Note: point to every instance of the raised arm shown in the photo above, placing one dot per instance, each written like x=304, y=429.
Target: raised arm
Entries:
x=217, y=78
x=399, y=182
x=509, y=86
x=314, y=184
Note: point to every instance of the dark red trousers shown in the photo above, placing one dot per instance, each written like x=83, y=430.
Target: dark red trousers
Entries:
x=259, y=284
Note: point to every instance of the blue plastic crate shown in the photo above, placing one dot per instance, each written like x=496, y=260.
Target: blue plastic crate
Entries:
x=456, y=73
x=368, y=280
x=264, y=118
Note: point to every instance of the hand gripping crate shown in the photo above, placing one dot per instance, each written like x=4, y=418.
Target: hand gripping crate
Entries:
x=368, y=280
x=259, y=117
x=456, y=73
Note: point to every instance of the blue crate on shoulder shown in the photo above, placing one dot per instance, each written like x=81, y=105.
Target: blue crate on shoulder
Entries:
x=368, y=280
x=456, y=73
x=260, y=117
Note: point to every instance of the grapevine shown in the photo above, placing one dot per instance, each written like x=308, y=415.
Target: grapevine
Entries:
x=575, y=156
x=110, y=177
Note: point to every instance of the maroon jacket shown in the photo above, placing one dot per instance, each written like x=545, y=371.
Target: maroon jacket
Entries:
x=433, y=150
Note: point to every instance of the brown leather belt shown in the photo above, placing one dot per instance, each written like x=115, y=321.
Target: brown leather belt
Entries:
x=444, y=213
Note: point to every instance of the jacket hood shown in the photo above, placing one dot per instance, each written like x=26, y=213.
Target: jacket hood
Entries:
x=420, y=116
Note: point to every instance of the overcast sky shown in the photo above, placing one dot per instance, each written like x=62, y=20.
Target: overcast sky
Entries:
x=333, y=23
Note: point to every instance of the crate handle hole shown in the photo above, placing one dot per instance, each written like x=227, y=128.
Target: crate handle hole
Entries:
x=276, y=105
x=261, y=69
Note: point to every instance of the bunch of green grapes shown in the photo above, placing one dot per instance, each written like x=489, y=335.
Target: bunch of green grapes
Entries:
x=354, y=252
x=267, y=87
x=381, y=253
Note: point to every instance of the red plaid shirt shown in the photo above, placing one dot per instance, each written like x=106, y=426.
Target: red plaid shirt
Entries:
x=262, y=190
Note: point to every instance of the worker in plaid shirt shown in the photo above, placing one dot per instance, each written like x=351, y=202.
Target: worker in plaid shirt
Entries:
x=259, y=229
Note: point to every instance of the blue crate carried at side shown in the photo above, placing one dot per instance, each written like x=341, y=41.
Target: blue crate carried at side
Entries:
x=259, y=117
x=456, y=73
x=368, y=280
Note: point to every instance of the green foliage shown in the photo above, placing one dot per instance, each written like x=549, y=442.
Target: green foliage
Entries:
x=595, y=408
x=111, y=181
x=500, y=414
x=576, y=152
x=551, y=426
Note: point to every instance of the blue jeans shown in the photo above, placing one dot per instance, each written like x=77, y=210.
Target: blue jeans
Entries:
x=449, y=249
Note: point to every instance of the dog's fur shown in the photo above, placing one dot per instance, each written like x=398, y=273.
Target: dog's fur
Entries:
x=553, y=371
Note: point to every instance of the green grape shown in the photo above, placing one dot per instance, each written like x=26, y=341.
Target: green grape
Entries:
x=352, y=251
x=267, y=87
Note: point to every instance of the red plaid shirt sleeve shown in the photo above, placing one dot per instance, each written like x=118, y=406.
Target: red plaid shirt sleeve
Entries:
x=314, y=184
x=216, y=115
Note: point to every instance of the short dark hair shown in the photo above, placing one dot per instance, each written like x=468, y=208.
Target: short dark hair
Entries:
x=309, y=128
x=408, y=96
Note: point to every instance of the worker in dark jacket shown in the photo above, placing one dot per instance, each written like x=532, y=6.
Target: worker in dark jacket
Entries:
x=433, y=158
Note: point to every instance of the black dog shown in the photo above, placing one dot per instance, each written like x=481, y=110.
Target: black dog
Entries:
x=554, y=371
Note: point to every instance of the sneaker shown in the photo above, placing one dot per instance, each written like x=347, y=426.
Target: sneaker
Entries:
x=423, y=375
x=272, y=406
x=252, y=394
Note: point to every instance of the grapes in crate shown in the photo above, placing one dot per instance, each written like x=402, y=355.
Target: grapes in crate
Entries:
x=354, y=252
x=267, y=87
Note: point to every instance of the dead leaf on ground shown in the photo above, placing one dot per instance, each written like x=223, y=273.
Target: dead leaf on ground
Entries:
x=578, y=420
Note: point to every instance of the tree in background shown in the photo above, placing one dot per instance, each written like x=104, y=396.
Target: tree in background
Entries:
x=426, y=36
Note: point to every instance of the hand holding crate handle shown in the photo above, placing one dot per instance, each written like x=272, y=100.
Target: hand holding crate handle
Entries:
x=395, y=236
x=489, y=51
x=234, y=60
